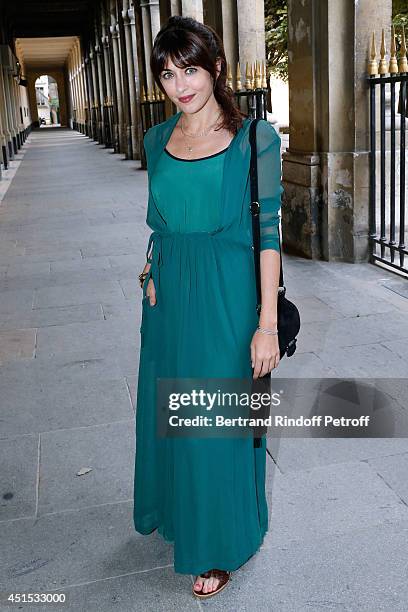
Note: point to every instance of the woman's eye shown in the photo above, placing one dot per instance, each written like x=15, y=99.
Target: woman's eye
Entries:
x=169, y=74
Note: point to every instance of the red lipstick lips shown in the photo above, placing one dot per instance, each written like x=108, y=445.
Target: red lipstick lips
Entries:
x=186, y=98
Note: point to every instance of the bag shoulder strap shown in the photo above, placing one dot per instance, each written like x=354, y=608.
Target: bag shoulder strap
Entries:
x=255, y=208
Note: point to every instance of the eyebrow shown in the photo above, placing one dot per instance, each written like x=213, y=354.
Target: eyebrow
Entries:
x=184, y=68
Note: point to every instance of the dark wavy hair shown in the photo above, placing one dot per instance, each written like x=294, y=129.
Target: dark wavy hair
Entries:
x=190, y=43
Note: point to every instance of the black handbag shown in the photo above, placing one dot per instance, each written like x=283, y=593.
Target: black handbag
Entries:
x=287, y=313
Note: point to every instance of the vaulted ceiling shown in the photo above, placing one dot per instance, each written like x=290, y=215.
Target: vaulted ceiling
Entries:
x=33, y=18
x=45, y=30
x=45, y=53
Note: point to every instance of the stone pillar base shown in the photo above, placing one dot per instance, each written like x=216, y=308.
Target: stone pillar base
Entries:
x=301, y=208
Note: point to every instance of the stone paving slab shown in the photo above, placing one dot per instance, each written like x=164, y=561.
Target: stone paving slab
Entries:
x=78, y=293
x=44, y=317
x=45, y=254
x=371, y=360
x=17, y=344
x=393, y=470
x=100, y=335
x=332, y=499
x=353, y=331
x=78, y=546
x=307, y=453
x=18, y=476
x=20, y=300
x=39, y=403
x=64, y=453
x=69, y=367
x=362, y=570
x=157, y=590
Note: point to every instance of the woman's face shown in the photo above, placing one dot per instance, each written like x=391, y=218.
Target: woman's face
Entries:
x=189, y=88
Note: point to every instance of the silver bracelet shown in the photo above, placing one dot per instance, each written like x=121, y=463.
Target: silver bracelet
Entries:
x=265, y=330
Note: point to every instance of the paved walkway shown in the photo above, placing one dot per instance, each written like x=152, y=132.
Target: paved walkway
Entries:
x=72, y=241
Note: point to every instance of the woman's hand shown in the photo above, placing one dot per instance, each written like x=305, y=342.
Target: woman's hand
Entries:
x=265, y=354
x=151, y=292
x=150, y=289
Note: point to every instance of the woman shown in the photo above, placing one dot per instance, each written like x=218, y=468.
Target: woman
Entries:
x=206, y=495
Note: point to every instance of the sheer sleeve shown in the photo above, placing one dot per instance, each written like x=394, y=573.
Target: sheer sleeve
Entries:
x=146, y=144
x=269, y=183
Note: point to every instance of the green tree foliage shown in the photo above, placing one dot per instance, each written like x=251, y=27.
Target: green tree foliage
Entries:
x=276, y=33
x=399, y=8
x=276, y=37
x=399, y=19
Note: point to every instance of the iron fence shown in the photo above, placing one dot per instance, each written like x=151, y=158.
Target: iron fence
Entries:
x=388, y=140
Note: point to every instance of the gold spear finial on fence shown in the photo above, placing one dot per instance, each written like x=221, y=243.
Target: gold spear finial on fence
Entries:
x=248, y=84
x=229, y=75
x=253, y=76
x=403, y=63
x=383, y=68
x=393, y=67
x=239, y=81
x=373, y=64
x=143, y=96
x=148, y=95
x=258, y=75
x=264, y=80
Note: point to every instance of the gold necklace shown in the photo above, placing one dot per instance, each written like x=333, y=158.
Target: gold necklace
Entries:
x=205, y=132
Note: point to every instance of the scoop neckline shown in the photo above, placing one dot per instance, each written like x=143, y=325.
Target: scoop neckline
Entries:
x=197, y=158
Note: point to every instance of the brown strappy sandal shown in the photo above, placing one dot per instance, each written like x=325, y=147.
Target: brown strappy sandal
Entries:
x=221, y=575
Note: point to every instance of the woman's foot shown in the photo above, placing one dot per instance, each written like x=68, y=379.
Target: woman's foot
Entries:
x=210, y=582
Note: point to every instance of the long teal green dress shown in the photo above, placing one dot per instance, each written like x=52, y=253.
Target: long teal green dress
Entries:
x=206, y=495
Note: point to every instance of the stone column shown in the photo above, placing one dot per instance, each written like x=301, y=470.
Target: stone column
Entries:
x=154, y=17
x=109, y=95
x=72, y=90
x=73, y=78
x=10, y=91
x=251, y=31
x=124, y=71
x=147, y=40
x=137, y=86
x=175, y=7
x=101, y=92
x=84, y=92
x=79, y=85
x=97, y=93
x=105, y=41
x=95, y=90
x=6, y=134
x=88, y=80
x=71, y=94
x=9, y=113
x=194, y=8
x=230, y=34
x=325, y=169
x=131, y=56
x=114, y=28
x=82, y=85
x=16, y=97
